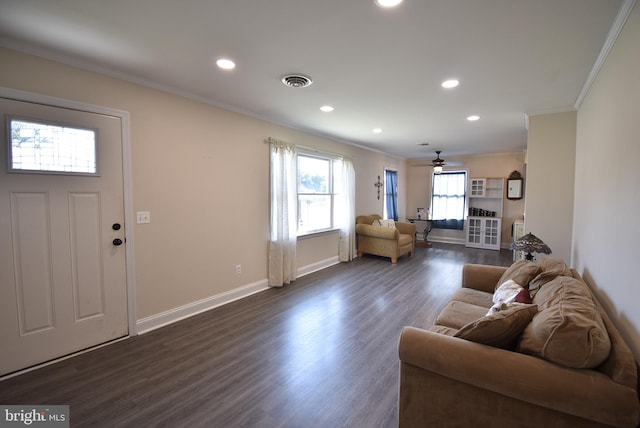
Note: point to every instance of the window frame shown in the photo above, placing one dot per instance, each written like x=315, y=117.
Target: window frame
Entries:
x=331, y=190
x=394, y=193
x=9, y=147
x=465, y=197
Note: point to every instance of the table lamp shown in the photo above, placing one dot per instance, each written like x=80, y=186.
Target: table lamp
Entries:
x=530, y=243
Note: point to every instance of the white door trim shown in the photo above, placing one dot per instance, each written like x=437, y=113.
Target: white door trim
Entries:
x=36, y=98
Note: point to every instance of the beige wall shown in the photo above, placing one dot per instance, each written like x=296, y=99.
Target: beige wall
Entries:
x=607, y=185
x=203, y=173
x=550, y=177
x=494, y=165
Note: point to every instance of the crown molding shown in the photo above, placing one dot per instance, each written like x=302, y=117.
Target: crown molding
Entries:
x=614, y=32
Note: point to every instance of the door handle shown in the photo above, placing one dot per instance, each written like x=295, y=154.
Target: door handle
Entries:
x=117, y=242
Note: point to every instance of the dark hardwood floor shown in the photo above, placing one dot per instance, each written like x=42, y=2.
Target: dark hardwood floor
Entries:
x=321, y=352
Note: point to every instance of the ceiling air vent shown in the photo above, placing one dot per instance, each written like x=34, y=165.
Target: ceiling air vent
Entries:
x=297, y=80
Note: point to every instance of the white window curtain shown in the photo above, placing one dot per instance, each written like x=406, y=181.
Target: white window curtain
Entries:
x=345, y=211
x=284, y=198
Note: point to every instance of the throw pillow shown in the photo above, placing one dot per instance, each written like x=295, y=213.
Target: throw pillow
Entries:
x=568, y=329
x=523, y=297
x=521, y=272
x=501, y=329
x=376, y=222
x=504, y=296
x=388, y=223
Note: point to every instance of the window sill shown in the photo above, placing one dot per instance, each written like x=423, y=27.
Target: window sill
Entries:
x=318, y=233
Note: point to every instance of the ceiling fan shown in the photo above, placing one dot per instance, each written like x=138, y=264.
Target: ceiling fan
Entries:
x=437, y=163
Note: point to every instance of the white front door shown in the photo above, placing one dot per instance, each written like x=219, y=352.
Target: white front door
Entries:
x=62, y=269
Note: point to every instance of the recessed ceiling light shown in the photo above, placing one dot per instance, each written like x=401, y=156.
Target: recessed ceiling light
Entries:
x=473, y=118
x=377, y=130
x=388, y=3
x=326, y=109
x=226, y=64
x=451, y=83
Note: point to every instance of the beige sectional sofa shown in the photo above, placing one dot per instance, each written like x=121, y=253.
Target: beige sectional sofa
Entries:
x=391, y=239
x=555, y=360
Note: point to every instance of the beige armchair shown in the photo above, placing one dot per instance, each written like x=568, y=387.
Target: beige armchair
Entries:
x=384, y=241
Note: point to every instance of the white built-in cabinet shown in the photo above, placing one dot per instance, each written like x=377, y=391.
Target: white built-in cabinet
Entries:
x=483, y=228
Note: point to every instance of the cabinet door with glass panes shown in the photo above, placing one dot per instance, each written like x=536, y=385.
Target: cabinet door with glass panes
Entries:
x=484, y=232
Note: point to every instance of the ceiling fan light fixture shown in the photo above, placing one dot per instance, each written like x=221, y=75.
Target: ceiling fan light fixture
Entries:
x=437, y=163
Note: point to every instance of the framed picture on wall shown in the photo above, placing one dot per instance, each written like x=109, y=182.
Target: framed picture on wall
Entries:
x=514, y=186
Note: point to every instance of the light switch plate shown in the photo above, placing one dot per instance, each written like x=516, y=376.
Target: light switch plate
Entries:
x=143, y=217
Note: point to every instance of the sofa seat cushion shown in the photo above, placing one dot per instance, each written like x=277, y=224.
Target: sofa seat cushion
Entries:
x=568, y=329
x=458, y=314
x=473, y=296
x=500, y=329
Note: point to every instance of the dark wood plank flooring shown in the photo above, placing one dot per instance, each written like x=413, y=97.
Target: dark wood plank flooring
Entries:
x=321, y=352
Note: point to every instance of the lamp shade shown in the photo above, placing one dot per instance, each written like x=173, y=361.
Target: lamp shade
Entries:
x=530, y=243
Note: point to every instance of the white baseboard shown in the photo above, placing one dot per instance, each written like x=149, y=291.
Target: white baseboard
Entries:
x=162, y=319
x=314, y=267
x=156, y=321
x=447, y=240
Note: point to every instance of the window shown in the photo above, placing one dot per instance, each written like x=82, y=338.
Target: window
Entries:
x=448, y=196
x=391, y=194
x=51, y=148
x=317, y=182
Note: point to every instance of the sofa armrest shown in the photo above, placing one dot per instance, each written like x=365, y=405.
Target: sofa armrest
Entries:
x=377, y=231
x=582, y=393
x=406, y=228
x=481, y=277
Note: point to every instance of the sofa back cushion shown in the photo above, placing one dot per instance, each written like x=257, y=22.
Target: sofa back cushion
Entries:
x=568, y=329
x=521, y=272
x=550, y=269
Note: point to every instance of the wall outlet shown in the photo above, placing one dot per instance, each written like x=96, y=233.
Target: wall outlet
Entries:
x=143, y=217
x=238, y=269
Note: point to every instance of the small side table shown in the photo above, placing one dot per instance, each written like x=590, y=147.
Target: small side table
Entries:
x=423, y=227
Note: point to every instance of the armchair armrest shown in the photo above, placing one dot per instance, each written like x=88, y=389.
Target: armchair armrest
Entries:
x=406, y=228
x=377, y=231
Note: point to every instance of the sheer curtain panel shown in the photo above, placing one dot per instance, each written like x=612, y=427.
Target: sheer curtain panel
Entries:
x=284, y=198
x=345, y=211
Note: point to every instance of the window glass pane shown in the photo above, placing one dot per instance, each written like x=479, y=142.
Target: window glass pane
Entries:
x=51, y=148
x=314, y=213
x=313, y=175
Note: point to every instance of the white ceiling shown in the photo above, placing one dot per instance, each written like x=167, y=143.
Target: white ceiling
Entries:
x=377, y=67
